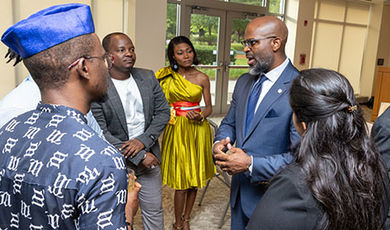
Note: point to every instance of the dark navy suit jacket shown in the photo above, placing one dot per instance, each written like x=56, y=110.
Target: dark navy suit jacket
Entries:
x=381, y=135
x=269, y=137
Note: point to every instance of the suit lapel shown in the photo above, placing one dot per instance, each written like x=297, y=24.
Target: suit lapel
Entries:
x=143, y=90
x=277, y=90
x=116, y=104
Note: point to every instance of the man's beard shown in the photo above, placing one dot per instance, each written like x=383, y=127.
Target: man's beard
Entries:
x=262, y=65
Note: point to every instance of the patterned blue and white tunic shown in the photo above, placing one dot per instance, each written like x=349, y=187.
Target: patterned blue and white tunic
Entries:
x=56, y=173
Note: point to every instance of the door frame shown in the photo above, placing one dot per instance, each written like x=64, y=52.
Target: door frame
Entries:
x=226, y=11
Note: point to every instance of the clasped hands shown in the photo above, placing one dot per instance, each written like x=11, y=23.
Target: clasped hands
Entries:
x=132, y=147
x=235, y=161
x=194, y=115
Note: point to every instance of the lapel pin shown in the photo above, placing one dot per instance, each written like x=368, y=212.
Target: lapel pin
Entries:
x=280, y=91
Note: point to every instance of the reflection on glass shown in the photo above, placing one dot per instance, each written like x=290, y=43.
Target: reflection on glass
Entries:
x=171, y=25
x=276, y=6
x=249, y=2
x=204, y=35
x=238, y=61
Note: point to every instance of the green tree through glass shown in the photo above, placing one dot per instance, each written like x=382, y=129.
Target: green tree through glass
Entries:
x=171, y=20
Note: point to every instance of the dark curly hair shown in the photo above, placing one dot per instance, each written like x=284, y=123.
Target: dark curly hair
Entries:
x=341, y=167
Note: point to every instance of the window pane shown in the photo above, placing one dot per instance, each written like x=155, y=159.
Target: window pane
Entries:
x=276, y=6
x=358, y=14
x=249, y=2
x=332, y=10
x=352, y=54
x=171, y=26
x=237, y=55
x=204, y=36
x=327, y=45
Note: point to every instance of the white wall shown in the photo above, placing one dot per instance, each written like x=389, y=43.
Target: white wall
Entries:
x=371, y=50
x=147, y=26
x=304, y=34
x=291, y=18
x=7, y=72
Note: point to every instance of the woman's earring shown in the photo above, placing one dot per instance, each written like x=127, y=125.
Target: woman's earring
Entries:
x=175, y=67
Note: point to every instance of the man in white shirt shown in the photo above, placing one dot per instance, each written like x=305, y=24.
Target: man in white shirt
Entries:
x=132, y=117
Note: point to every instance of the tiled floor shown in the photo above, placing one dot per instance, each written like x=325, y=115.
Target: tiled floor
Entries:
x=207, y=216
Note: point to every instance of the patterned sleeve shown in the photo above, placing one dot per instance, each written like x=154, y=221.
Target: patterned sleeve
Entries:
x=102, y=201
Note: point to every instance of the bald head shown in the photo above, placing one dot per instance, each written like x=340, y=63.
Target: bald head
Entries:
x=268, y=26
x=266, y=39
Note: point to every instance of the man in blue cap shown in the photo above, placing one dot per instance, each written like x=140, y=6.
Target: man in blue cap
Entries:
x=55, y=172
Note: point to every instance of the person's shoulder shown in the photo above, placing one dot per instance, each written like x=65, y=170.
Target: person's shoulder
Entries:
x=292, y=183
x=202, y=76
x=290, y=71
x=290, y=176
x=164, y=72
x=384, y=118
x=143, y=71
x=245, y=77
x=144, y=74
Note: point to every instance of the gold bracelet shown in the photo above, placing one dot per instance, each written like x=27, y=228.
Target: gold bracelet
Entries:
x=201, y=120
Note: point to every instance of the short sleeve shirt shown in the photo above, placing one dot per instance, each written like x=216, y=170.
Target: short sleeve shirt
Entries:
x=56, y=173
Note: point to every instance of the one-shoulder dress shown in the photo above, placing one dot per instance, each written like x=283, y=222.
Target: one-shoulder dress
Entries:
x=187, y=144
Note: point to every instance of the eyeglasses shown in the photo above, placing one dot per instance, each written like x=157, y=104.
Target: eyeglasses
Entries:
x=108, y=59
x=251, y=42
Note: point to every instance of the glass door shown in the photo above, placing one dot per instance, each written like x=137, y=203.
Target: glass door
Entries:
x=235, y=60
x=207, y=28
x=216, y=35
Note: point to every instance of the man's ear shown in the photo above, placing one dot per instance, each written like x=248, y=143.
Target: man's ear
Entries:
x=82, y=69
x=276, y=43
x=111, y=57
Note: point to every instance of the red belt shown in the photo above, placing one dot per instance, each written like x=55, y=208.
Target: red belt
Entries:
x=182, y=107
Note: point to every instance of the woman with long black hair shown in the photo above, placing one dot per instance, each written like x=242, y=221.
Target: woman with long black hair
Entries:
x=338, y=180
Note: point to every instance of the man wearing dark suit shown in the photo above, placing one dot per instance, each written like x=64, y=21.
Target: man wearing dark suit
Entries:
x=259, y=120
x=381, y=135
x=132, y=117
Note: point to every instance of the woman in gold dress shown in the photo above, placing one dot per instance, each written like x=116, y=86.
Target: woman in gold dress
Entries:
x=186, y=149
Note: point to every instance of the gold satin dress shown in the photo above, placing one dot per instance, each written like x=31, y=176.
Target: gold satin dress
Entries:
x=187, y=144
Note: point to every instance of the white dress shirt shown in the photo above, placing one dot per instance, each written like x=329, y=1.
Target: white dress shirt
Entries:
x=272, y=77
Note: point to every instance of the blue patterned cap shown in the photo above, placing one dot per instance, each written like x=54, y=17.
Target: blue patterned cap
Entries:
x=49, y=27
